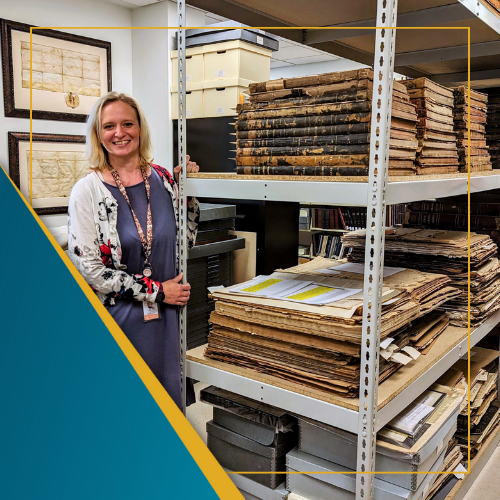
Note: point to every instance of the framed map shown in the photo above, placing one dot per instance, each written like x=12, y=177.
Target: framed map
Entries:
x=59, y=161
x=68, y=72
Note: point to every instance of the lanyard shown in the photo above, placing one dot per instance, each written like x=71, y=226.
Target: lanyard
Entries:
x=146, y=241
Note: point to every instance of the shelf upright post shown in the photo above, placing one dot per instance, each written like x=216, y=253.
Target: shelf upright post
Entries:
x=181, y=148
x=383, y=69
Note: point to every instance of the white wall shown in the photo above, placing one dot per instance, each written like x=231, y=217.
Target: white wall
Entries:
x=70, y=13
x=314, y=69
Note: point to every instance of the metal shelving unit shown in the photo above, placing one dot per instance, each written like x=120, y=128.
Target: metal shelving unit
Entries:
x=375, y=193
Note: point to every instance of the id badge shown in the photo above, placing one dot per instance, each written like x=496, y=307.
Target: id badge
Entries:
x=151, y=311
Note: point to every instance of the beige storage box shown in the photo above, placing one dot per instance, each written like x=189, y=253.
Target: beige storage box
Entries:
x=236, y=59
x=221, y=97
x=194, y=103
x=194, y=66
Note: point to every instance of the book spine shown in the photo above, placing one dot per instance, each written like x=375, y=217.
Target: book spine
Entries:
x=304, y=141
x=350, y=86
x=343, y=130
x=344, y=96
x=312, y=110
x=342, y=149
x=342, y=220
x=302, y=170
x=322, y=161
x=303, y=121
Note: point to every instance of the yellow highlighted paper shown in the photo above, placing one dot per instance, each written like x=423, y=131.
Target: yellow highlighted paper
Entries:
x=261, y=286
x=320, y=290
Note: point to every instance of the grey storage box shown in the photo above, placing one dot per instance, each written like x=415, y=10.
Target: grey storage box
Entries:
x=242, y=454
x=340, y=447
x=208, y=35
x=343, y=486
x=255, y=491
x=254, y=420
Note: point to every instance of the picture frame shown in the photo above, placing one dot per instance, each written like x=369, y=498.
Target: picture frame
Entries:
x=69, y=72
x=59, y=161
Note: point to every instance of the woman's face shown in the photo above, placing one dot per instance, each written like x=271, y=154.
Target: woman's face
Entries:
x=120, y=131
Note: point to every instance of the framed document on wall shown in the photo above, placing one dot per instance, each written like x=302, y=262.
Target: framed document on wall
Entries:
x=68, y=72
x=58, y=162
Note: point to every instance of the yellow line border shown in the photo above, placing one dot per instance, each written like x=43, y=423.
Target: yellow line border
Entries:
x=191, y=440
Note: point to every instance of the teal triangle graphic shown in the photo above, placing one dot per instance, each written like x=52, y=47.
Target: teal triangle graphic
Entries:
x=76, y=420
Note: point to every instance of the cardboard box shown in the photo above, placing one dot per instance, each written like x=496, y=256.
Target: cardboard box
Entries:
x=221, y=97
x=194, y=66
x=194, y=104
x=236, y=59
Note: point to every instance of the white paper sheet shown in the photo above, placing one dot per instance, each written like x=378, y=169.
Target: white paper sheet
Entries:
x=384, y=344
x=353, y=267
x=265, y=286
x=401, y=358
x=327, y=271
x=460, y=468
x=409, y=420
x=411, y=351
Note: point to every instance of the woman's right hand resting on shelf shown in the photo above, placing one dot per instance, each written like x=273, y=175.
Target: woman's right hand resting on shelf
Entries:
x=176, y=294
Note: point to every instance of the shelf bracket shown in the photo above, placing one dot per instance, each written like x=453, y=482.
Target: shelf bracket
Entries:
x=383, y=69
x=181, y=149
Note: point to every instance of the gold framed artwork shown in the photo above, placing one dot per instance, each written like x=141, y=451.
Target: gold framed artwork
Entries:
x=59, y=161
x=68, y=72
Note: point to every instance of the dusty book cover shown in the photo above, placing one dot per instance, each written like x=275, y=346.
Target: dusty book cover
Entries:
x=303, y=121
x=314, y=170
x=313, y=80
x=429, y=94
x=321, y=140
x=323, y=160
x=351, y=85
x=426, y=113
x=332, y=149
x=425, y=83
x=343, y=129
x=308, y=110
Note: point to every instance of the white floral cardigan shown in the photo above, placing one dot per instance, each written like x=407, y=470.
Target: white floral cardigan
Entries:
x=94, y=245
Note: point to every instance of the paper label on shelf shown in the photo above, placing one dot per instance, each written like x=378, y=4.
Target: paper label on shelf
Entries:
x=188, y=113
x=219, y=111
x=411, y=351
x=317, y=294
x=384, y=344
x=260, y=40
x=327, y=271
x=461, y=470
x=188, y=78
x=221, y=73
x=400, y=358
x=353, y=267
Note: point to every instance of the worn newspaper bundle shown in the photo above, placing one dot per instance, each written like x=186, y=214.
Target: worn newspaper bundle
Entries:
x=437, y=146
x=320, y=125
x=484, y=409
x=493, y=128
x=444, y=252
x=304, y=323
x=479, y=155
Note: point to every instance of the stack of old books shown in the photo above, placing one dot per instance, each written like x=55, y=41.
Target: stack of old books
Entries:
x=444, y=252
x=479, y=156
x=493, y=129
x=304, y=324
x=320, y=125
x=437, y=146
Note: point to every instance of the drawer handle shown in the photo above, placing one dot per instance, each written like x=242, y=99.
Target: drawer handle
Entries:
x=221, y=88
x=221, y=52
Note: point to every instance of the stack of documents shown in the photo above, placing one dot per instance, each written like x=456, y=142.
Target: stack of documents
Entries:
x=303, y=324
x=444, y=252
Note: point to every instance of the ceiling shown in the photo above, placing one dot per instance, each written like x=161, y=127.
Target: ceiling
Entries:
x=437, y=53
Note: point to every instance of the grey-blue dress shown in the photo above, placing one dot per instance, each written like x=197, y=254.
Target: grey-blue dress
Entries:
x=156, y=341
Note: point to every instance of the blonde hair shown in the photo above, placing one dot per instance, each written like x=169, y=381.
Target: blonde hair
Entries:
x=96, y=153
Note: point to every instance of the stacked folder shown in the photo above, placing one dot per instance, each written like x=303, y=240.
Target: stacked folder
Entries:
x=315, y=345
x=320, y=125
x=444, y=252
x=493, y=129
x=479, y=156
x=437, y=143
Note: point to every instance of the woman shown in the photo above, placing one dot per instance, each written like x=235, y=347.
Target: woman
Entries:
x=122, y=235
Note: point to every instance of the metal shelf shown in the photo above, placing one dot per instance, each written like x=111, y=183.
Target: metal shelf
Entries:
x=329, y=413
x=340, y=193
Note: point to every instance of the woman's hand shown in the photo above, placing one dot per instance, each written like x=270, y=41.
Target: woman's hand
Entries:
x=176, y=294
x=191, y=167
